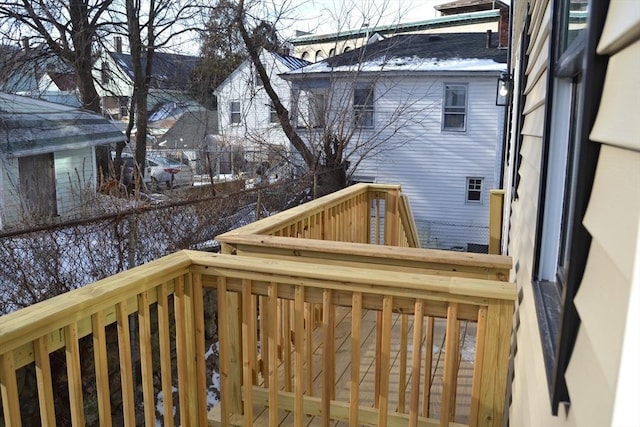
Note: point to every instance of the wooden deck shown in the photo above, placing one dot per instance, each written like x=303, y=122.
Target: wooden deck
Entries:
x=367, y=369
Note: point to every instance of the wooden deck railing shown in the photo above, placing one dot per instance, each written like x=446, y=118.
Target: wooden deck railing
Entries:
x=362, y=213
x=385, y=308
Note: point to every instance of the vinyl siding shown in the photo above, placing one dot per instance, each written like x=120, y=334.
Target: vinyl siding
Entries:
x=596, y=383
x=75, y=180
x=530, y=404
x=75, y=184
x=254, y=129
x=433, y=165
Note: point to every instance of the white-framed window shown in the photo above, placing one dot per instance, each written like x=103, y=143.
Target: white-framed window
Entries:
x=474, y=190
x=317, y=103
x=234, y=108
x=363, y=106
x=454, y=109
x=273, y=115
x=257, y=81
x=105, y=73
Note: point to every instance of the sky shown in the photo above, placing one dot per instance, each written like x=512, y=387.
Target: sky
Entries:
x=330, y=16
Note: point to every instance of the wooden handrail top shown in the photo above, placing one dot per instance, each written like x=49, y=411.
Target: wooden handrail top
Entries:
x=265, y=225
x=341, y=277
x=25, y=325
x=435, y=256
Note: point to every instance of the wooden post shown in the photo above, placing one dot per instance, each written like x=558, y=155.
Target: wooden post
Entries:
x=493, y=382
x=496, y=203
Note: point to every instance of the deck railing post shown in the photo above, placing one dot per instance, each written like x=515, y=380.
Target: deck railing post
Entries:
x=495, y=362
x=496, y=202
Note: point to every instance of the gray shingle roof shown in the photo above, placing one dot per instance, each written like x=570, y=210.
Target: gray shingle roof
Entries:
x=29, y=126
x=440, y=46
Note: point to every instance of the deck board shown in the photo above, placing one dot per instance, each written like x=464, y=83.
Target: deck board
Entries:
x=367, y=369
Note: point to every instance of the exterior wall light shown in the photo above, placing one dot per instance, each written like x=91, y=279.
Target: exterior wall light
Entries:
x=503, y=90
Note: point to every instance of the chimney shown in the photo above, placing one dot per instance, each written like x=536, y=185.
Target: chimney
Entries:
x=488, y=46
x=503, y=28
x=117, y=43
x=25, y=43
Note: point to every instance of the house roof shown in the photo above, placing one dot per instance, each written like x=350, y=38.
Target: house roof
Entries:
x=418, y=52
x=22, y=72
x=29, y=126
x=170, y=71
x=290, y=62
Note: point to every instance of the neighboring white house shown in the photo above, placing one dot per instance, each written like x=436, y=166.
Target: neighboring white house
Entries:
x=418, y=110
x=113, y=74
x=572, y=213
x=47, y=159
x=246, y=117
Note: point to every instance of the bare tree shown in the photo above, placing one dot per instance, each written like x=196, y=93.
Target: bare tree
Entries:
x=150, y=26
x=67, y=29
x=331, y=127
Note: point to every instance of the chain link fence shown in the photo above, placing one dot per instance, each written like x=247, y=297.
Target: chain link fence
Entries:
x=40, y=263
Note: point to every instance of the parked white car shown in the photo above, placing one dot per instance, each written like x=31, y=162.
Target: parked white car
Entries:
x=164, y=171
x=159, y=171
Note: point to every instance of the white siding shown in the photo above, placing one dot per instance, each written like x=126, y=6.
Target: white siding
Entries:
x=433, y=165
x=254, y=131
x=75, y=185
x=75, y=180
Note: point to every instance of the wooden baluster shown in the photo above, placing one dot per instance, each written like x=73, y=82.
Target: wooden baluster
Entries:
x=328, y=356
x=45, y=384
x=478, y=365
x=126, y=374
x=181, y=348
x=299, y=336
x=356, y=338
x=376, y=382
x=164, y=340
x=223, y=343
x=248, y=348
x=273, y=357
x=199, y=337
x=9, y=391
x=415, y=363
x=309, y=326
x=450, y=365
x=74, y=374
x=146, y=358
x=385, y=360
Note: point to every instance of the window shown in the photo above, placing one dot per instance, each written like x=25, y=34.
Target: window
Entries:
x=123, y=103
x=105, y=73
x=363, y=106
x=257, y=81
x=566, y=179
x=234, y=107
x=273, y=115
x=474, y=190
x=316, y=110
x=455, y=107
